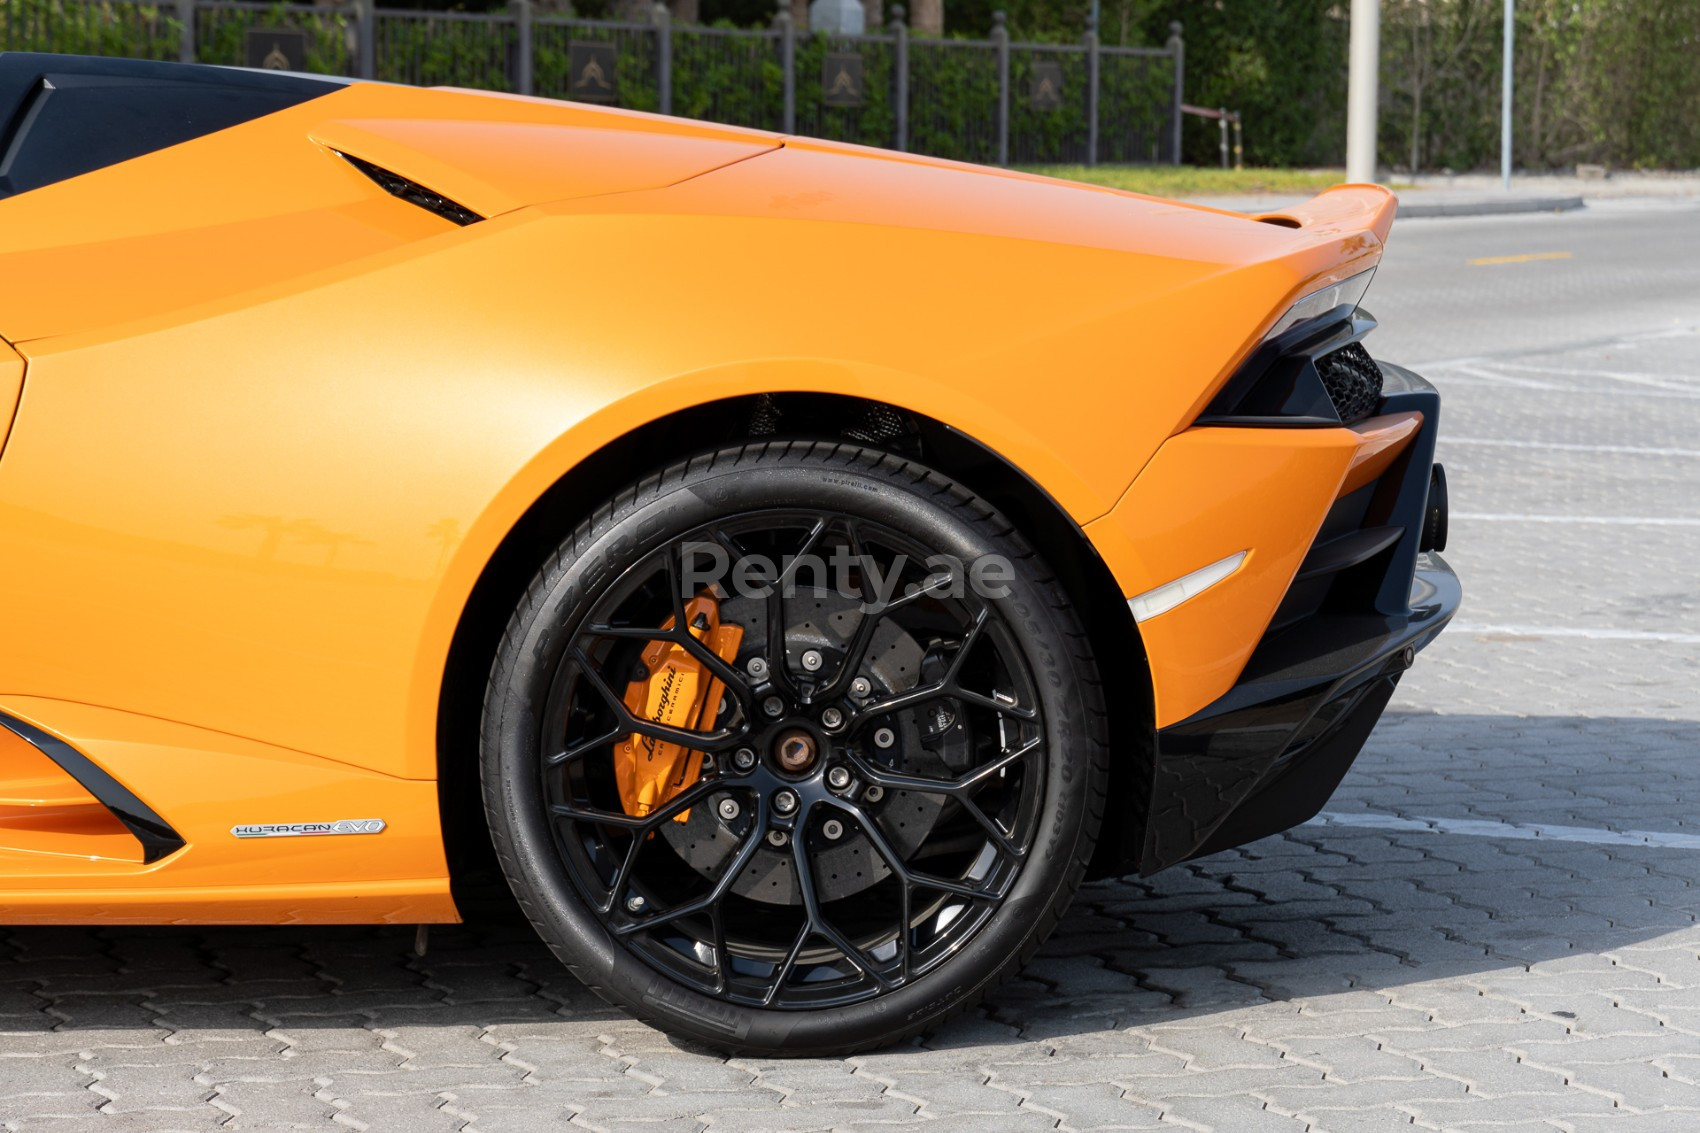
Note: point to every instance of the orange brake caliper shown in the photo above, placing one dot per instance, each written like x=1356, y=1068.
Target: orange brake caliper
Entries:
x=680, y=693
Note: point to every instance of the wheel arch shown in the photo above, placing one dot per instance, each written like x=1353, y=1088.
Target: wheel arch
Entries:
x=803, y=416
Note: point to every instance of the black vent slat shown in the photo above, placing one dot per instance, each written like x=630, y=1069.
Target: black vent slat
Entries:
x=1353, y=381
x=414, y=193
x=1347, y=551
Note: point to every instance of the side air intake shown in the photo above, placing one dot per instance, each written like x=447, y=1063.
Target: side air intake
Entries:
x=55, y=799
x=414, y=193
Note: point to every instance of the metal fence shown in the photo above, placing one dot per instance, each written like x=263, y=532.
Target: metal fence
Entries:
x=990, y=100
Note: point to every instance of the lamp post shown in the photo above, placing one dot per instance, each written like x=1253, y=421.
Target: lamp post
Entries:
x=1505, y=95
x=1364, y=54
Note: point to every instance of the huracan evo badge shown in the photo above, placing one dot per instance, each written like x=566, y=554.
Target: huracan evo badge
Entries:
x=308, y=829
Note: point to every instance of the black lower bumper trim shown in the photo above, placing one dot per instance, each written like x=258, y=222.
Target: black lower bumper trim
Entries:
x=1267, y=755
x=156, y=836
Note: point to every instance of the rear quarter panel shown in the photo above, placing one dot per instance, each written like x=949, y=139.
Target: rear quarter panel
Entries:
x=262, y=514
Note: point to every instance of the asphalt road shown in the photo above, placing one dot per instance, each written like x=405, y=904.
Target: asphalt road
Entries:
x=1491, y=927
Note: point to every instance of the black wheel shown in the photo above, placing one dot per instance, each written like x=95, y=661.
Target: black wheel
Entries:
x=794, y=748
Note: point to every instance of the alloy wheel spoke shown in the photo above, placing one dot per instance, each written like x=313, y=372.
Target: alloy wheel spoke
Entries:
x=717, y=927
x=581, y=749
x=623, y=875
x=710, y=900
x=954, y=788
x=783, y=974
x=817, y=919
x=721, y=739
x=999, y=837
x=647, y=823
x=907, y=876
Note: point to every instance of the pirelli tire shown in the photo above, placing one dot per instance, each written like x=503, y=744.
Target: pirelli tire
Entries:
x=798, y=968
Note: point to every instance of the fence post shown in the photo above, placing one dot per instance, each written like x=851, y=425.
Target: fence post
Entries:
x=186, y=16
x=1222, y=125
x=899, y=20
x=1177, y=48
x=1092, y=63
x=1000, y=36
x=787, y=28
x=523, y=81
x=366, y=35
x=663, y=20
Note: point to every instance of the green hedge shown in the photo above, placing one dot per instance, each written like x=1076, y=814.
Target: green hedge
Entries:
x=146, y=31
x=220, y=35
x=718, y=74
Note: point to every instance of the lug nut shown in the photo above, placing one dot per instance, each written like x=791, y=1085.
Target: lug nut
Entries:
x=707, y=762
x=743, y=759
x=874, y=793
x=729, y=809
x=756, y=667
x=811, y=660
x=777, y=838
x=832, y=719
x=634, y=904
x=860, y=687
x=784, y=802
x=773, y=706
x=833, y=829
x=838, y=778
x=884, y=738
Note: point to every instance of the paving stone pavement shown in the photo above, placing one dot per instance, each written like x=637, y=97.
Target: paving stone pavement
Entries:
x=1471, y=939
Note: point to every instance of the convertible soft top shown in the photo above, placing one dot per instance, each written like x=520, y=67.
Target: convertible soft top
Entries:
x=67, y=115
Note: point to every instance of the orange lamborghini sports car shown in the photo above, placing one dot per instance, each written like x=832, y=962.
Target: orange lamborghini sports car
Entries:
x=794, y=567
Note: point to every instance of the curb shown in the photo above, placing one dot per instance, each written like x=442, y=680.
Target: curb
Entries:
x=1487, y=207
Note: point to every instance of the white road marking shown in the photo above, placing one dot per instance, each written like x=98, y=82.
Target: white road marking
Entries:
x=1661, y=381
x=1611, y=520
x=1622, y=377
x=1657, y=636
x=1565, y=446
x=1491, y=828
x=1464, y=382
x=1612, y=342
x=1492, y=378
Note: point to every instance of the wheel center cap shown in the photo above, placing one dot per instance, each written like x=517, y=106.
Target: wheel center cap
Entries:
x=795, y=749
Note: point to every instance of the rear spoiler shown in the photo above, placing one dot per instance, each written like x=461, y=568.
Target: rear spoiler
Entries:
x=1341, y=210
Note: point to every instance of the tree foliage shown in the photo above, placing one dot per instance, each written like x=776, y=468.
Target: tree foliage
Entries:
x=1607, y=81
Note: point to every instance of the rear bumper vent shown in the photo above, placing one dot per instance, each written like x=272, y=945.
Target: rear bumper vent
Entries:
x=1311, y=376
x=1353, y=382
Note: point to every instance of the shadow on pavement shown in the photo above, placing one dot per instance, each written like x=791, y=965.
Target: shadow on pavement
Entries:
x=1317, y=912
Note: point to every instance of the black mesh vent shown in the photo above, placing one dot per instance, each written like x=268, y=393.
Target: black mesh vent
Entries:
x=1353, y=381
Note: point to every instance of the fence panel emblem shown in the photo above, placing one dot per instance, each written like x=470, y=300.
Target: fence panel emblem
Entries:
x=277, y=49
x=1047, y=92
x=592, y=70
x=841, y=80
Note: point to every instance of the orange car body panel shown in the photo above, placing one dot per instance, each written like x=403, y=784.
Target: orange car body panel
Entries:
x=276, y=422
x=11, y=386
x=1210, y=493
